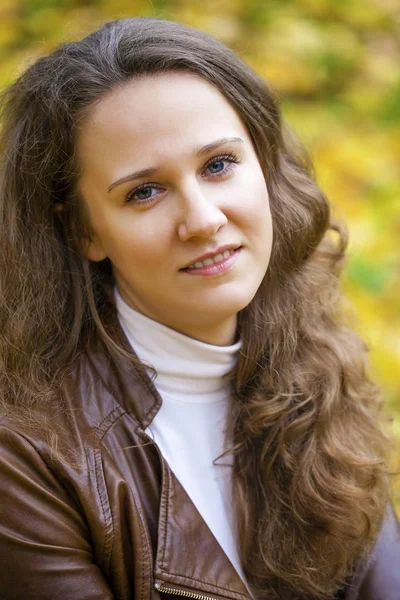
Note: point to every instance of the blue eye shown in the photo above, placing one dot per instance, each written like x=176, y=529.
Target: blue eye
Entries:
x=219, y=163
x=216, y=165
x=142, y=194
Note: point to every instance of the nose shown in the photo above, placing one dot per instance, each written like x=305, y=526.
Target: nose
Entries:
x=200, y=217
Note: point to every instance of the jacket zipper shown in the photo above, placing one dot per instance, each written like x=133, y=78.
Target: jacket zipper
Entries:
x=176, y=592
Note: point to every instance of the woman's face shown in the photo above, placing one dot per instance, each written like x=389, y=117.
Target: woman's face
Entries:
x=169, y=174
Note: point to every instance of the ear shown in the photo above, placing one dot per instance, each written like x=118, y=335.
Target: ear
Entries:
x=93, y=249
x=90, y=244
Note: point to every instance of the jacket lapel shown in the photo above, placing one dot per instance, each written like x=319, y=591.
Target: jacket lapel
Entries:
x=188, y=555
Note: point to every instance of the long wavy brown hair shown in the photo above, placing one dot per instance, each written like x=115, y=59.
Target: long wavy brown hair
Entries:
x=310, y=480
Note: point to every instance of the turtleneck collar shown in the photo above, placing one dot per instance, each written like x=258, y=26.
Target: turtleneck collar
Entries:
x=185, y=367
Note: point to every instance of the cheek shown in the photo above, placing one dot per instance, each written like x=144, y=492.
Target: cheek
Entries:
x=253, y=205
x=130, y=240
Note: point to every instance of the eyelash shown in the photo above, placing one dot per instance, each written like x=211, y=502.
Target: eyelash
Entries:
x=232, y=159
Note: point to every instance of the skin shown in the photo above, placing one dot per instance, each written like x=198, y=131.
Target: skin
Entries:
x=197, y=203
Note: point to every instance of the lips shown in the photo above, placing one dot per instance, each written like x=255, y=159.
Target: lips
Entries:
x=211, y=254
x=213, y=260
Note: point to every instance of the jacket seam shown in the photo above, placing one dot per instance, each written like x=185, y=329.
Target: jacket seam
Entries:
x=144, y=539
x=107, y=514
x=168, y=480
x=154, y=393
x=102, y=428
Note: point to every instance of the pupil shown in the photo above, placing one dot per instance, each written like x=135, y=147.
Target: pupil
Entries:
x=144, y=194
x=218, y=163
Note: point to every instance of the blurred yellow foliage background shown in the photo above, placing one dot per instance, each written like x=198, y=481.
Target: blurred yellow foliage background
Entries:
x=335, y=64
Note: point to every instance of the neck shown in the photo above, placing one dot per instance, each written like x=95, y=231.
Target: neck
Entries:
x=222, y=335
x=185, y=367
x=218, y=333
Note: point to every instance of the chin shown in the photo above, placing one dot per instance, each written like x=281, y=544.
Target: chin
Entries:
x=232, y=301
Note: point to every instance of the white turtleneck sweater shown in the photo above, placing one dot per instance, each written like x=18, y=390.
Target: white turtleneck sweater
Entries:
x=189, y=428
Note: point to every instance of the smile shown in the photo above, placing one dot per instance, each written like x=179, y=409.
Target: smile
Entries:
x=211, y=260
x=214, y=266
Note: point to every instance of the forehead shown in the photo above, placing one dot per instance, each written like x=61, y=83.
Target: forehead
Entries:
x=158, y=110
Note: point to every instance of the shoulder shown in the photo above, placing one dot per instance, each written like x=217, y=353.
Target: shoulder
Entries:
x=48, y=455
x=85, y=394
x=68, y=424
x=46, y=542
x=379, y=577
x=93, y=395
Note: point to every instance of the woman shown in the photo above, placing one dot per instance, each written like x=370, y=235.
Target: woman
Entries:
x=185, y=411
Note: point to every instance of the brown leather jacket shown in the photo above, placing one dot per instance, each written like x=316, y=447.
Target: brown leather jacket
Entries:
x=121, y=526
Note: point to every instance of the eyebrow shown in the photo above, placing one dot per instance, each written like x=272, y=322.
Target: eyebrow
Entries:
x=152, y=170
